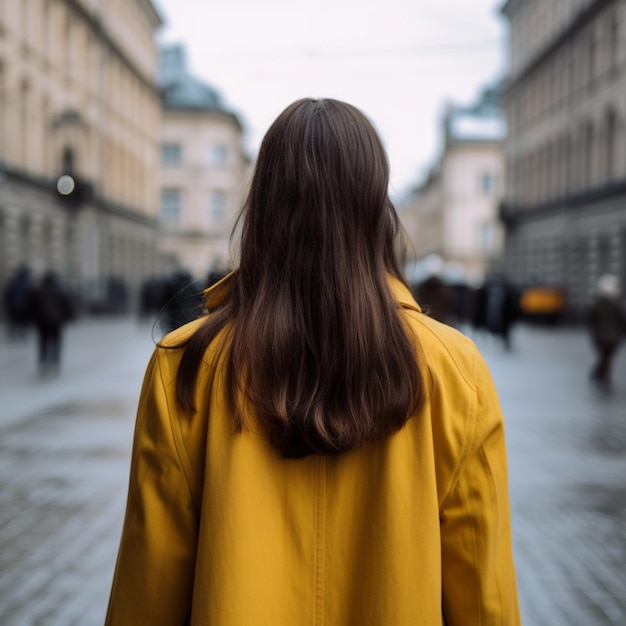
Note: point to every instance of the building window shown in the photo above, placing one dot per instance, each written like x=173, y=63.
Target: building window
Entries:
x=67, y=160
x=487, y=183
x=171, y=205
x=561, y=166
x=623, y=250
x=25, y=19
x=532, y=176
x=591, y=60
x=3, y=114
x=69, y=47
x=23, y=122
x=217, y=207
x=610, y=144
x=171, y=154
x=586, y=175
x=216, y=155
x=604, y=255
x=571, y=162
x=486, y=238
x=45, y=31
x=541, y=173
x=614, y=43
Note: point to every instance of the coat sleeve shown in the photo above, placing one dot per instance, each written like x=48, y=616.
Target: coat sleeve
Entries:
x=479, y=586
x=154, y=574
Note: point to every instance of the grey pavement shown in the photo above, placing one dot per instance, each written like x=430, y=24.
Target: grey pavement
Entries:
x=567, y=458
x=65, y=445
x=64, y=453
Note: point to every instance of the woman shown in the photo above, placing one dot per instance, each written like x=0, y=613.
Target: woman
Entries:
x=316, y=450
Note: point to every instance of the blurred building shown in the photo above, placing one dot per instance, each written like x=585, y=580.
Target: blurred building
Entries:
x=203, y=170
x=565, y=204
x=452, y=217
x=80, y=119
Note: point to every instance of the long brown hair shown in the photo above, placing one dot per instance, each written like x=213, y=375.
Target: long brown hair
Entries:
x=315, y=345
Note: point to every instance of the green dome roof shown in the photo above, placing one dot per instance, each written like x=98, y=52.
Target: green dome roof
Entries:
x=180, y=89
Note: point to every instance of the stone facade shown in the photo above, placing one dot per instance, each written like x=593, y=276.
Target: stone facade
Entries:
x=565, y=102
x=452, y=217
x=203, y=171
x=78, y=98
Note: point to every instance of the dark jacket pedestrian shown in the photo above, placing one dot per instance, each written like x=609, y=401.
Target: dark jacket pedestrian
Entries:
x=478, y=306
x=182, y=301
x=152, y=297
x=607, y=324
x=17, y=296
x=50, y=310
x=436, y=298
x=501, y=308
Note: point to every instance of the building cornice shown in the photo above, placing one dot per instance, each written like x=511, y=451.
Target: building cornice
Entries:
x=512, y=213
x=48, y=185
x=112, y=208
x=199, y=112
x=9, y=173
x=150, y=10
x=510, y=6
x=192, y=236
x=99, y=30
x=474, y=143
x=579, y=22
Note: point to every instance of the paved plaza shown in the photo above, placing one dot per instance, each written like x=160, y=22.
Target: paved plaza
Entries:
x=65, y=446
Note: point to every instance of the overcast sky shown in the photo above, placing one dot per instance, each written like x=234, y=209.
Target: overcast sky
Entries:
x=399, y=61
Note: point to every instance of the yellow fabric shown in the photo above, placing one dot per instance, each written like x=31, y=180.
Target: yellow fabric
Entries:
x=218, y=526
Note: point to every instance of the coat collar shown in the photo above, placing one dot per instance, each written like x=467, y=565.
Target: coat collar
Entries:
x=217, y=293
x=402, y=294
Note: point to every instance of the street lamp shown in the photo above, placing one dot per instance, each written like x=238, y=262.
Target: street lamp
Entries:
x=66, y=185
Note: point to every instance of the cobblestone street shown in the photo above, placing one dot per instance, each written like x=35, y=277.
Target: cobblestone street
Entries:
x=65, y=445
x=567, y=457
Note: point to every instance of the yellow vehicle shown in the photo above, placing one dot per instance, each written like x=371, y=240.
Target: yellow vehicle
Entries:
x=542, y=301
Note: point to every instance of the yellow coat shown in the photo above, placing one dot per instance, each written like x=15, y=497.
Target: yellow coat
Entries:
x=399, y=533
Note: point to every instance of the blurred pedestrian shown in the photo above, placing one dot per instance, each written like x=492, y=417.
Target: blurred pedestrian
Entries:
x=501, y=308
x=214, y=276
x=151, y=297
x=51, y=308
x=17, y=294
x=478, y=307
x=435, y=298
x=182, y=301
x=315, y=449
x=117, y=295
x=607, y=324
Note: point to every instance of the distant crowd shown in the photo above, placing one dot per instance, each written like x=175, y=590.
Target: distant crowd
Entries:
x=493, y=307
x=174, y=300
x=46, y=305
x=497, y=305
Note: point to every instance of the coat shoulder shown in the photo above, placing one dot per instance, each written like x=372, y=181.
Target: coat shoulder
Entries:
x=444, y=348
